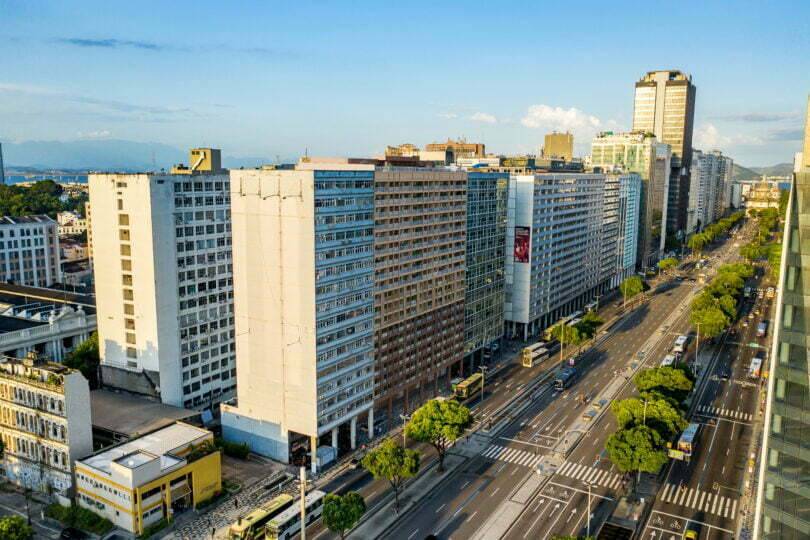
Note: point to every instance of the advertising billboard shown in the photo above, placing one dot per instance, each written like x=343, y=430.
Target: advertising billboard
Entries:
x=522, y=236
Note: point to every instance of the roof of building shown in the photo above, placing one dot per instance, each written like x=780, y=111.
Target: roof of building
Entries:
x=21, y=294
x=159, y=443
x=131, y=415
x=21, y=220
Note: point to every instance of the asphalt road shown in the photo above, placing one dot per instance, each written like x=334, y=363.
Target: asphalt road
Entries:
x=467, y=498
x=703, y=494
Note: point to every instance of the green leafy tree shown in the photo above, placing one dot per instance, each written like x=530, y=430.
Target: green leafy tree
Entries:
x=566, y=335
x=342, y=512
x=85, y=358
x=697, y=242
x=668, y=381
x=665, y=265
x=743, y=270
x=15, y=528
x=588, y=325
x=630, y=287
x=658, y=414
x=710, y=321
x=439, y=423
x=393, y=463
x=638, y=449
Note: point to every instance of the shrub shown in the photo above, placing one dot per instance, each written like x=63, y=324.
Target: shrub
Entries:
x=78, y=517
x=154, y=528
x=232, y=449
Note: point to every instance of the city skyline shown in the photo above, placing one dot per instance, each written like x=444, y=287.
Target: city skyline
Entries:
x=262, y=83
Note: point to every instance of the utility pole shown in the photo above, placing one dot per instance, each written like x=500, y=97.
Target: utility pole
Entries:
x=483, y=377
x=303, y=482
x=405, y=418
x=588, y=533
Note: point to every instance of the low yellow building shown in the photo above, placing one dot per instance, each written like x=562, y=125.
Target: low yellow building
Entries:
x=153, y=477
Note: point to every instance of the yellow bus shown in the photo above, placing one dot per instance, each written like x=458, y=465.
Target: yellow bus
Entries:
x=288, y=523
x=251, y=526
x=529, y=351
x=537, y=356
x=469, y=386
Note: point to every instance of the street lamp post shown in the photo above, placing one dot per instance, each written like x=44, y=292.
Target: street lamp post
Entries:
x=588, y=533
x=405, y=418
x=483, y=377
x=697, y=350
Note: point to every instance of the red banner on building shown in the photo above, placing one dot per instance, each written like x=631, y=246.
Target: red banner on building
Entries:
x=522, y=236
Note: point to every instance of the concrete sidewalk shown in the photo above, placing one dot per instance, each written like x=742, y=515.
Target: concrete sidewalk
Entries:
x=384, y=517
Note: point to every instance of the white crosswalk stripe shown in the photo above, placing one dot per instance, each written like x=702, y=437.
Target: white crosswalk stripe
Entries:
x=717, y=411
x=590, y=475
x=702, y=501
x=518, y=456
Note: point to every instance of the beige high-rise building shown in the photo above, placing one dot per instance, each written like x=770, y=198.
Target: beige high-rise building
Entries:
x=664, y=105
x=163, y=281
x=419, y=259
x=559, y=145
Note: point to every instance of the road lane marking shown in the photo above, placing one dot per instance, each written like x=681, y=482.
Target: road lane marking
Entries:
x=471, y=517
x=467, y=483
x=734, y=509
x=497, y=489
x=439, y=509
x=413, y=534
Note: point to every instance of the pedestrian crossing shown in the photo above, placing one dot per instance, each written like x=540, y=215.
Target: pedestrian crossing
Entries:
x=590, y=475
x=702, y=501
x=517, y=456
x=728, y=413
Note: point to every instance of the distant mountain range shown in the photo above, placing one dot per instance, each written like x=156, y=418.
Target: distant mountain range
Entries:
x=753, y=173
x=104, y=154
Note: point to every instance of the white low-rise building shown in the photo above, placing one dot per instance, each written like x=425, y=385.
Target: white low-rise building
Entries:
x=29, y=251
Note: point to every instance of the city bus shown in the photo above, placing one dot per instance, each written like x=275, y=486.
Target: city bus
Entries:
x=537, y=356
x=288, y=523
x=565, y=378
x=680, y=344
x=251, y=526
x=469, y=386
x=755, y=368
x=688, y=441
x=528, y=352
x=668, y=361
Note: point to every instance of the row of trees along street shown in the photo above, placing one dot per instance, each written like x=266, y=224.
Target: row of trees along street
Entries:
x=715, y=308
x=715, y=231
x=767, y=246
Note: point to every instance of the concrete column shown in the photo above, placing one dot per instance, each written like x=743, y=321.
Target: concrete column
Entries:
x=353, y=432
x=371, y=423
x=313, y=452
x=335, y=438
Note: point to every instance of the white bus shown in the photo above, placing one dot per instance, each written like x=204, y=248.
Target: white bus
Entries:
x=536, y=357
x=288, y=523
x=755, y=368
x=688, y=441
x=680, y=344
x=529, y=352
x=668, y=361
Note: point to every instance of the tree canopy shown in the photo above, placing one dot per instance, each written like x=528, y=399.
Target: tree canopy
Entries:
x=665, y=265
x=658, y=414
x=85, y=358
x=42, y=197
x=439, y=423
x=640, y=448
x=668, y=381
x=631, y=286
x=393, y=463
x=15, y=528
x=342, y=512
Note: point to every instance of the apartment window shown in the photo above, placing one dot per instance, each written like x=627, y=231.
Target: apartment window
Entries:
x=126, y=279
x=129, y=309
x=132, y=353
x=125, y=250
x=120, y=204
x=126, y=265
x=128, y=294
x=123, y=219
x=130, y=338
x=129, y=324
x=123, y=235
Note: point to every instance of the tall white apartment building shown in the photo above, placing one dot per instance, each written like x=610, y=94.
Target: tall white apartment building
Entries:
x=304, y=297
x=620, y=227
x=710, y=189
x=164, y=287
x=45, y=423
x=554, y=249
x=29, y=251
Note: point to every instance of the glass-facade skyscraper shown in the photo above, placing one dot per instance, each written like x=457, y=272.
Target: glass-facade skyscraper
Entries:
x=783, y=502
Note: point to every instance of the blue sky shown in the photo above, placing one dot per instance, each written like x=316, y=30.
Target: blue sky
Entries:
x=347, y=78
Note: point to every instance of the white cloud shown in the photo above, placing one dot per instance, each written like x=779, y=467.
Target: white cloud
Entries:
x=484, y=117
x=559, y=119
x=708, y=137
x=98, y=134
x=447, y=115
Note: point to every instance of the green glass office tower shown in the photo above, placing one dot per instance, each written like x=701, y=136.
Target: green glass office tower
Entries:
x=783, y=509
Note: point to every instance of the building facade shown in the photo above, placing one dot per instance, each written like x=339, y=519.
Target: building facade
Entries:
x=164, y=284
x=304, y=286
x=485, y=259
x=559, y=145
x=70, y=223
x=420, y=226
x=154, y=477
x=46, y=321
x=554, y=248
x=459, y=148
x=45, y=423
x=642, y=154
x=783, y=497
x=620, y=229
x=664, y=105
x=29, y=251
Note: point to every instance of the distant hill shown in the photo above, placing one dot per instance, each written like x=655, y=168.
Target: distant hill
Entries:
x=743, y=173
x=781, y=169
x=104, y=154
